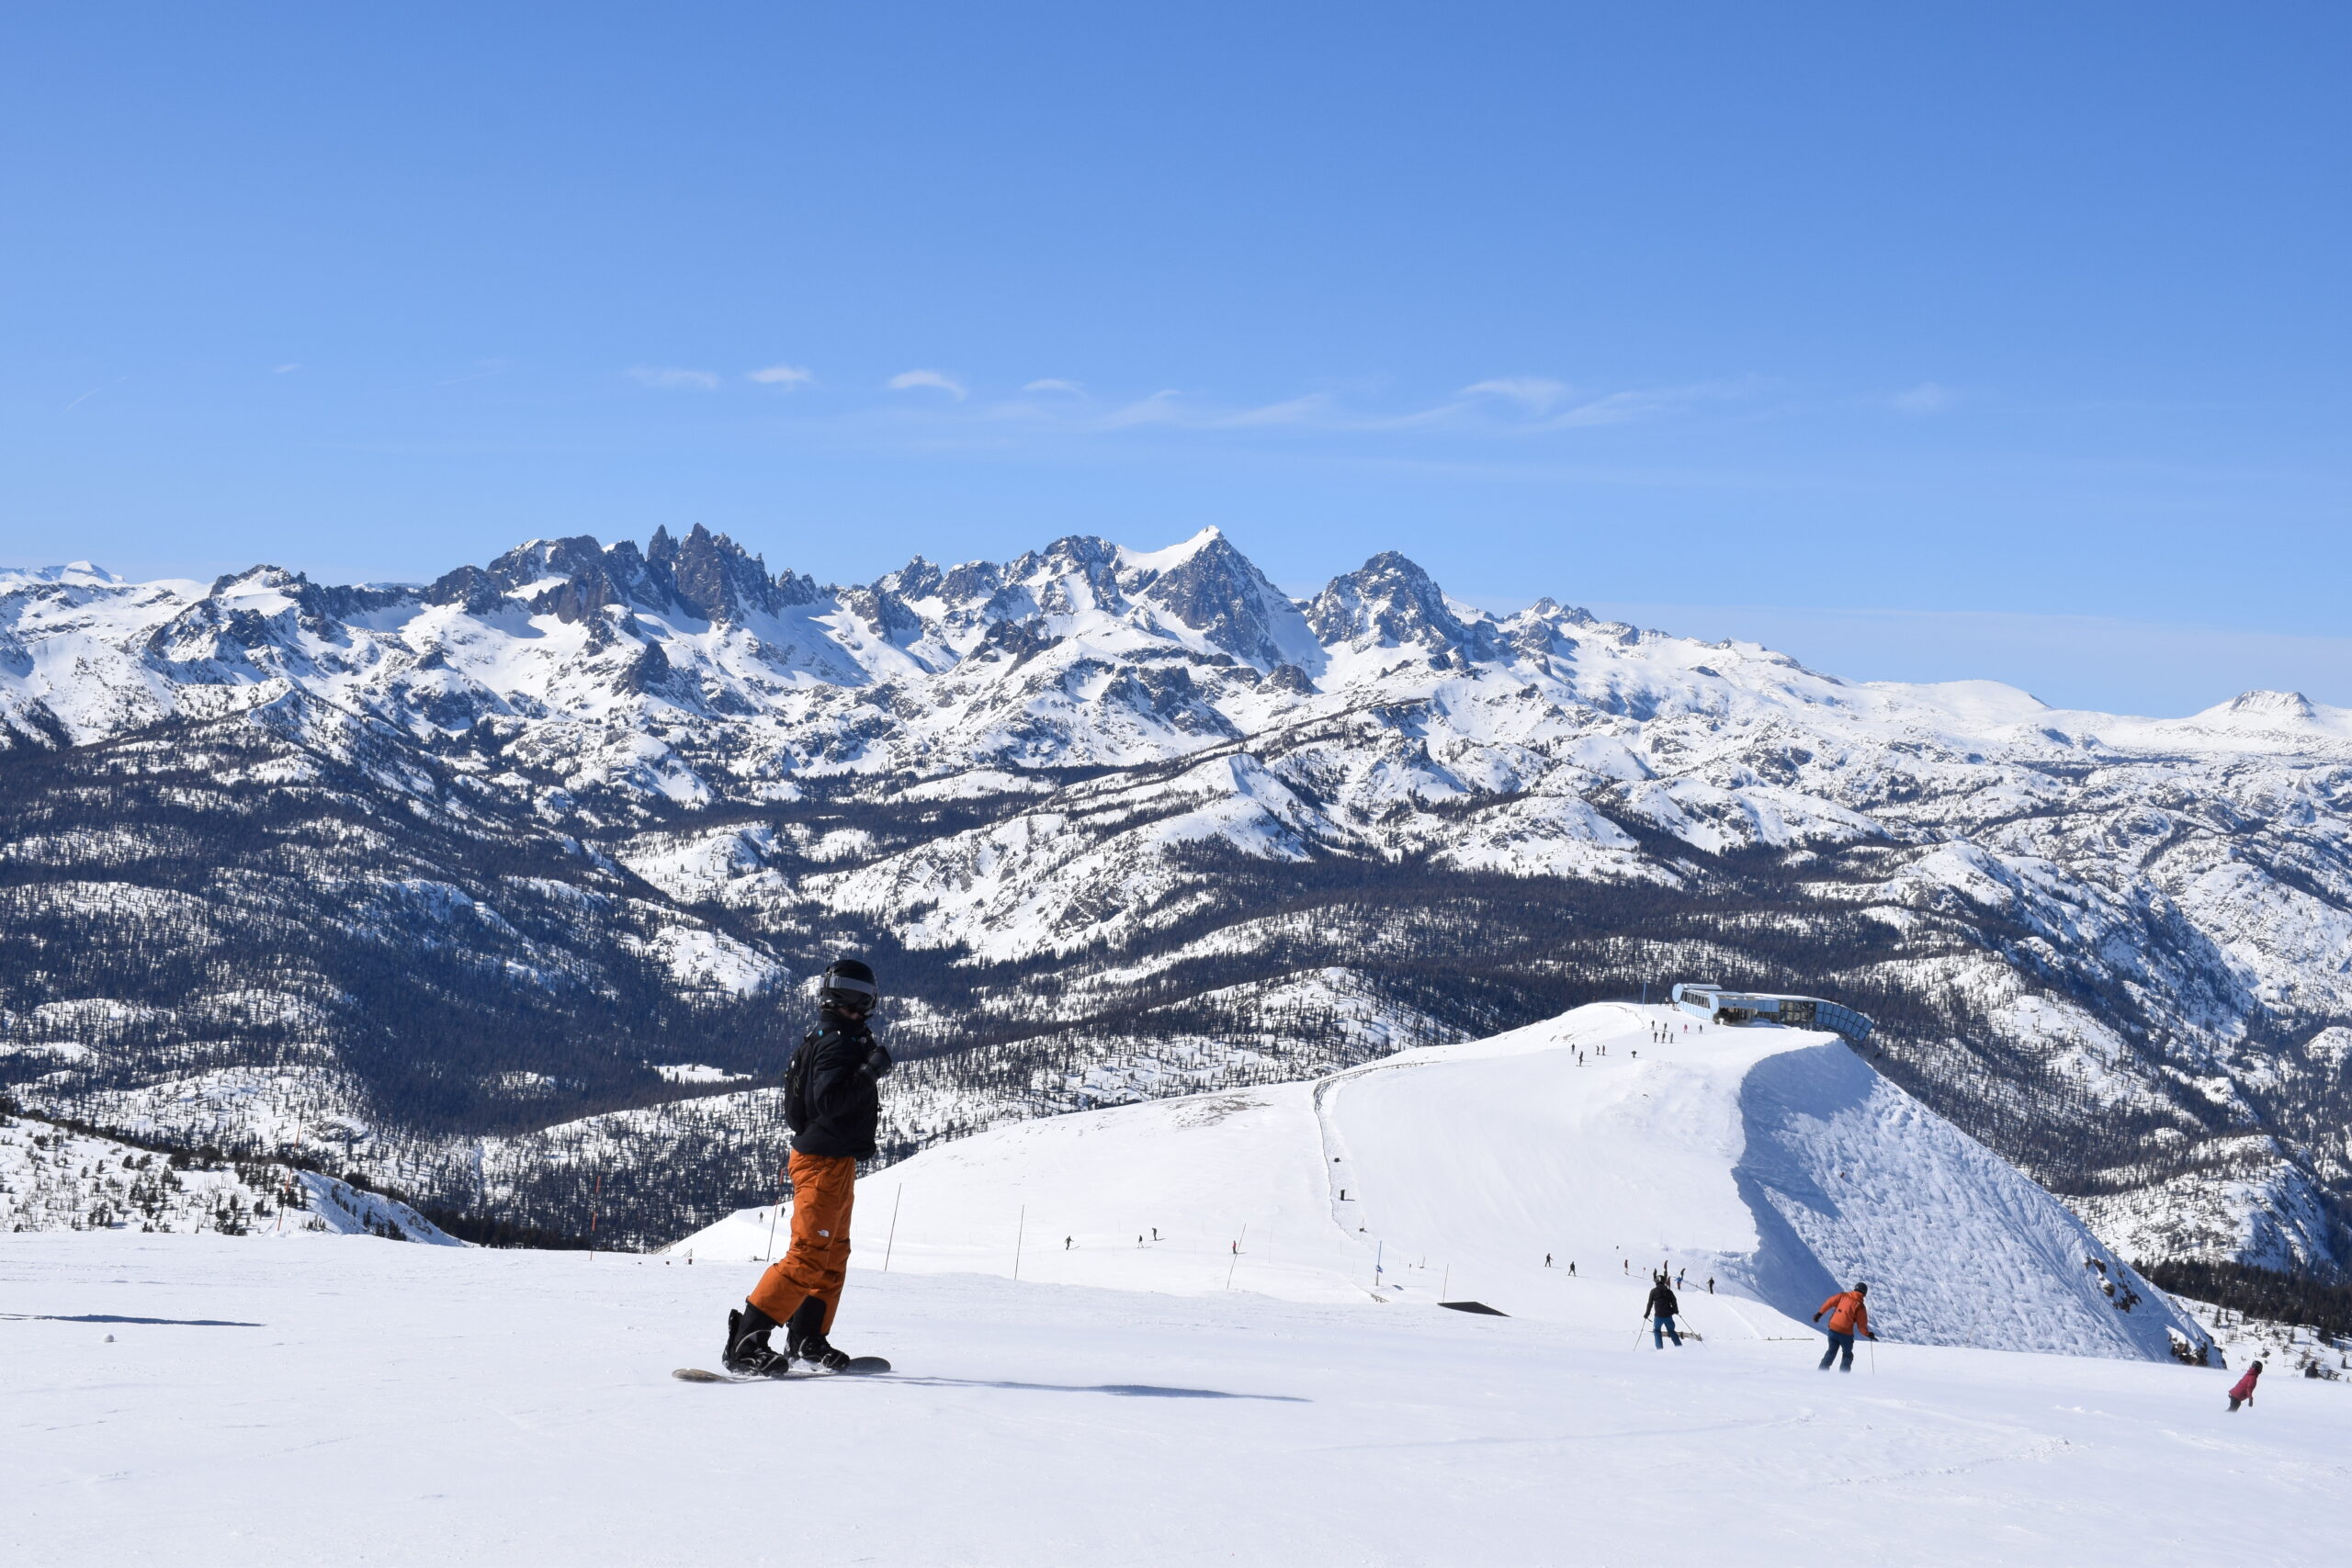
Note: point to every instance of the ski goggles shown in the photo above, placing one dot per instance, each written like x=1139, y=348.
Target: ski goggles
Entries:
x=865, y=988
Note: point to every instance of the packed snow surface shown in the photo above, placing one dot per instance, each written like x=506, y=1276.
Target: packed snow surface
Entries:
x=200, y=1400
x=1616, y=1138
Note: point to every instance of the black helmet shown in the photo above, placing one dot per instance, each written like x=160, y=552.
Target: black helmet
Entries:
x=848, y=985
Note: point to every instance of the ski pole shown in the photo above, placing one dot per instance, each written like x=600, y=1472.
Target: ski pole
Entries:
x=894, y=1228
x=773, y=1217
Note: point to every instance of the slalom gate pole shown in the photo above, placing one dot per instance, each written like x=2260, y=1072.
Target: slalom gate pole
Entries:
x=775, y=1216
x=893, y=1241
x=1020, y=1225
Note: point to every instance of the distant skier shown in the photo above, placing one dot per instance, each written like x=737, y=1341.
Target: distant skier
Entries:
x=1547, y=1261
x=2242, y=1391
x=1680, y=1277
x=1572, y=1268
x=1850, y=1314
x=1660, y=1309
x=834, y=1103
x=1065, y=1243
x=1711, y=1284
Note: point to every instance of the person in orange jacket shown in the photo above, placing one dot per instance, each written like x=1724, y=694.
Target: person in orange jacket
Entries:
x=1850, y=1314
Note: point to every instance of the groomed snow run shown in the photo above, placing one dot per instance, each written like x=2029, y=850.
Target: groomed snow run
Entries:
x=1619, y=1139
x=351, y=1401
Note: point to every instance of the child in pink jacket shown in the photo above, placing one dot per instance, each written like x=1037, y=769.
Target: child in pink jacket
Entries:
x=2242, y=1391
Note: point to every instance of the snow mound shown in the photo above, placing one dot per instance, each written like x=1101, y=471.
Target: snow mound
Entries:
x=1617, y=1138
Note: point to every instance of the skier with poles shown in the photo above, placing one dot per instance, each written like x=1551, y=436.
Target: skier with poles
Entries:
x=1850, y=1314
x=1660, y=1309
x=833, y=1104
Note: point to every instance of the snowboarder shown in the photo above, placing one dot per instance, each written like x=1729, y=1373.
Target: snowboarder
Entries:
x=1660, y=1309
x=1711, y=1284
x=1547, y=1261
x=1849, y=1314
x=1572, y=1268
x=1065, y=1243
x=832, y=1102
x=1680, y=1276
x=2242, y=1391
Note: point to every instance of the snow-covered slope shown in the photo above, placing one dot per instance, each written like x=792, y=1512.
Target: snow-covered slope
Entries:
x=206, y=1401
x=1118, y=817
x=54, y=1179
x=1620, y=1139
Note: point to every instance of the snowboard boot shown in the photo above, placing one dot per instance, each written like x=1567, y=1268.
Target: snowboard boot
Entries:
x=804, y=1337
x=748, y=1354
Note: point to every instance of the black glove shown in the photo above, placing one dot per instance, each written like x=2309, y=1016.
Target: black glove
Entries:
x=877, y=1060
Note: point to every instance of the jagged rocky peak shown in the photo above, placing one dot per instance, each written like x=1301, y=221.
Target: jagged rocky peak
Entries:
x=1390, y=602
x=707, y=575
x=1219, y=593
x=713, y=576
x=535, y=561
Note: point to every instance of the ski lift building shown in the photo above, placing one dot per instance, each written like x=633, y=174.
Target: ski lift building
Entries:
x=1716, y=1005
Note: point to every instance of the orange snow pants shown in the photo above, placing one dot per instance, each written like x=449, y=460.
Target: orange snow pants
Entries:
x=817, y=1262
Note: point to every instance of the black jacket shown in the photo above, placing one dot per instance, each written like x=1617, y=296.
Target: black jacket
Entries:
x=844, y=1103
x=1662, y=1303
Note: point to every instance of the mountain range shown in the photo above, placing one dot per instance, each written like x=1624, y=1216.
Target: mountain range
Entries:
x=501, y=891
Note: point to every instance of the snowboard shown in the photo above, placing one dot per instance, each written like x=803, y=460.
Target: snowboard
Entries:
x=859, y=1367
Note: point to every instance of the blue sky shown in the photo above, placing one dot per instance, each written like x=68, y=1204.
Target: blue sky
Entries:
x=1925, y=341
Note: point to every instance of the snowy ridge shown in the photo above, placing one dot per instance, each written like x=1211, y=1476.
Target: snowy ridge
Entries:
x=55, y=1179
x=1774, y=1160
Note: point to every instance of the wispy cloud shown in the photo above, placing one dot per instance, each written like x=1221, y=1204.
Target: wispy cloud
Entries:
x=668, y=378
x=1539, y=393
x=786, y=376
x=1928, y=397
x=1316, y=408
x=936, y=380
x=1649, y=402
x=1054, y=384
x=93, y=393
x=286, y=370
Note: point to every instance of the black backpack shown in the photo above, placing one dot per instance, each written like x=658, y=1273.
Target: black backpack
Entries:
x=796, y=1083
